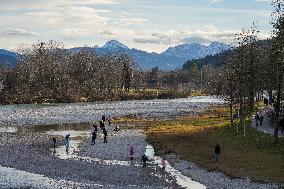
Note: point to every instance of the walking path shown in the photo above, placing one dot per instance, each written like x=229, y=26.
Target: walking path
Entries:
x=266, y=126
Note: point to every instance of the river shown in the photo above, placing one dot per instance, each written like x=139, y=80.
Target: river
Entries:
x=45, y=114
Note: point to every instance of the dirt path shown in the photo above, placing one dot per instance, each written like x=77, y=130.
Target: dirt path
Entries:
x=266, y=126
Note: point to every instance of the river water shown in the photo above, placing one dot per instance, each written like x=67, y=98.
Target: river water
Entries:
x=45, y=114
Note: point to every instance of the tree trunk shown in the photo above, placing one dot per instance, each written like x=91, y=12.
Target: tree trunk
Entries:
x=251, y=100
x=231, y=104
x=231, y=113
x=241, y=112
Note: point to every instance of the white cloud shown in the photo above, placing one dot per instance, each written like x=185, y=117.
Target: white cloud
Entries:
x=14, y=32
x=204, y=34
x=74, y=32
x=151, y=26
x=215, y=1
x=266, y=1
x=69, y=15
x=44, y=4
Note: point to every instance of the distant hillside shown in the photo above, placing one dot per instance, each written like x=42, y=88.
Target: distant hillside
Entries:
x=7, y=58
x=214, y=60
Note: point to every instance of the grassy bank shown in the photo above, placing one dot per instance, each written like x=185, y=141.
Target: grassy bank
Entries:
x=194, y=139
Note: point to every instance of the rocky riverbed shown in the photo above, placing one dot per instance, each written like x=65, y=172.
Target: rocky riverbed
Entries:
x=28, y=159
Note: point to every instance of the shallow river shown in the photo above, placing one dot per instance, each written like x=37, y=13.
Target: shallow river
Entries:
x=43, y=114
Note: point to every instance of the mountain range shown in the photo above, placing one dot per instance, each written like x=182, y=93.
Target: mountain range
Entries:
x=172, y=58
x=8, y=58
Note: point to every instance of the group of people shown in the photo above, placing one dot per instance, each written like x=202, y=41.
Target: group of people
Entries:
x=258, y=118
x=102, y=125
x=103, y=129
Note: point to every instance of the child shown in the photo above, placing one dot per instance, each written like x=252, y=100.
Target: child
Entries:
x=163, y=162
x=94, y=137
x=144, y=159
x=116, y=128
x=54, y=142
x=66, y=142
x=131, y=152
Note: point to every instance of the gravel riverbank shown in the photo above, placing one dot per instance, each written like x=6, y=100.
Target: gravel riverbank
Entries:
x=29, y=161
x=103, y=165
x=31, y=153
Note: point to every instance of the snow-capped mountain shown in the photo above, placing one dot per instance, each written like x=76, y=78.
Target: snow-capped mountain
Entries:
x=114, y=45
x=196, y=50
x=172, y=58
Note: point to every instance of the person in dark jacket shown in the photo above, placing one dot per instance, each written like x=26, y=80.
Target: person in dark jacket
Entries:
x=54, y=142
x=256, y=119
x=144, y=159
x=105, y=135
x=104, y=118
x=281, y=125
x=217, y=153
x=94, y=137
x=102, y=125
x=131, y=152
x=261, y=119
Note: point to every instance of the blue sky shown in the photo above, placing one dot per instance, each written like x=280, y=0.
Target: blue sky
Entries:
x=151, y=25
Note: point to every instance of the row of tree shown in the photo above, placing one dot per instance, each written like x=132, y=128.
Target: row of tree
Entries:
x=47, y=72
x=252, y=68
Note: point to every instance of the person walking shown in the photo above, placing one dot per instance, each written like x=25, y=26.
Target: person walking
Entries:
x=281, y=125
x=54, y=142
x=261, y=119
x=104, y=118
x=217, y=153
x=256, y=119
x=131, y=152
x=105, y=135
x=102, y=125
x=66, y=143
x=163, y=163
x=94, y=136
x=144, y=160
